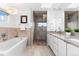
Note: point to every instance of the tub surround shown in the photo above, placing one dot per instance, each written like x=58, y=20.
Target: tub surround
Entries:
x=14, y=32
x=13, y=47
x=66, y=38
x=10, y=33
x=25, y=33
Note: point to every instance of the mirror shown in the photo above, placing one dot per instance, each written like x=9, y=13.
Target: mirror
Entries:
x=72, y=19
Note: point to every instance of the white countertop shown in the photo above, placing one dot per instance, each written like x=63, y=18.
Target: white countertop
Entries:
x=69, y=39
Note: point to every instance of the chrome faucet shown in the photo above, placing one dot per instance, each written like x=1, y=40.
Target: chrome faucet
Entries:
x=3, y=35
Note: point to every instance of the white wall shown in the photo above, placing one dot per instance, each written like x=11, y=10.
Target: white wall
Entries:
x=14, y=20
x=55, y=20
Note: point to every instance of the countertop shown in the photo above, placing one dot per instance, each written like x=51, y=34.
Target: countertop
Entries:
x=69, y=39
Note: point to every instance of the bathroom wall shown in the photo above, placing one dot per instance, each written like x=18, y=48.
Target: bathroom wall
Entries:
x=55, y=20
x=13, y=32
x=10, y=32
x=29, y=25
x=12, y=27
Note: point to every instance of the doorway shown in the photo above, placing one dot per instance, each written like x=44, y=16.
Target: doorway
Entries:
x=40, y=28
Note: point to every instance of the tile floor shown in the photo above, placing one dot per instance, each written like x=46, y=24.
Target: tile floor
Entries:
x=38, y=50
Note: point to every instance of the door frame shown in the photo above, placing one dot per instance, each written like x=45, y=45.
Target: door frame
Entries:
x=34, y=28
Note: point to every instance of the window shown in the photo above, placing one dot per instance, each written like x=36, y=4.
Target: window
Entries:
x=3, y=19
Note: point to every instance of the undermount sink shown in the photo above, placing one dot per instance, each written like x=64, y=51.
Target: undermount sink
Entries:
x=77, y=40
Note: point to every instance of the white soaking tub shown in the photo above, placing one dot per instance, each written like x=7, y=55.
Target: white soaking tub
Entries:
x=13, y=47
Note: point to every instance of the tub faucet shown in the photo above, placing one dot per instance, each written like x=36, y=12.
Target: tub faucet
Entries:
x=3, y=35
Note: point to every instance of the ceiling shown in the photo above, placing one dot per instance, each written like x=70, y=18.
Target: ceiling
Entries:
x=34, y=6
x=37, y=6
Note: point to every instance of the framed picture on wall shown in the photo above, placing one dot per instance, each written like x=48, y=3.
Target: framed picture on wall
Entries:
x=23, y=19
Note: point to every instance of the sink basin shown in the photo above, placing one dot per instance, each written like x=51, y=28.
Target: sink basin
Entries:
x=77, y=40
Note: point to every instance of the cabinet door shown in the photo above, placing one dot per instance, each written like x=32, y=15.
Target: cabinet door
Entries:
x=50, y=41
x=55, y=45
x=61, y=48
x=56, y=40
x=72, y=50
x=49, y=38
x=55, y=49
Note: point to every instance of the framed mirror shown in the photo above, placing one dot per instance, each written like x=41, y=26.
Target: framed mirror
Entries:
x=71, y=19
x=23, y=19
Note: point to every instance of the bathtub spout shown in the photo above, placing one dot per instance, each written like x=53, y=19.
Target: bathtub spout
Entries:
x=4, y=39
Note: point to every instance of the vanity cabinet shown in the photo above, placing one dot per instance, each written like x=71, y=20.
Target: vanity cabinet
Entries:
x=49, y=39
x=72, y=50
x=52, y=43
x=61, y=48
x=57, y=45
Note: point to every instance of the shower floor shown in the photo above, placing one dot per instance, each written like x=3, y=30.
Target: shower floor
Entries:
x=39, y=42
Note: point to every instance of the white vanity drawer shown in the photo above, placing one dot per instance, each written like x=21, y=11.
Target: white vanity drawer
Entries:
x=56, y=40
x=55, y=49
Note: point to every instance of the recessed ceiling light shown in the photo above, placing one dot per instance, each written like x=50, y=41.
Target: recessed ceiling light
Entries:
x=46, y=5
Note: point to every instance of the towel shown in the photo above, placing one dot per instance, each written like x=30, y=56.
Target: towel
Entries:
x=22, y=27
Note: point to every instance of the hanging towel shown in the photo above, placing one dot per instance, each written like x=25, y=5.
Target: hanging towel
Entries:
x=22, y=27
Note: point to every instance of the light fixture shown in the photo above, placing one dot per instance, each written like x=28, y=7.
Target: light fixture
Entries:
x=46, y=5
x=11, y=10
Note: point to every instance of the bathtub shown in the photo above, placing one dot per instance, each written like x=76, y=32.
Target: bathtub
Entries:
x=13, y=47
